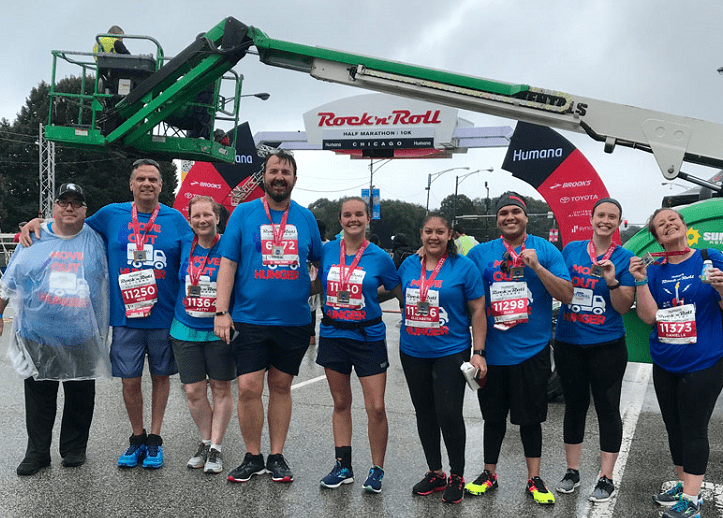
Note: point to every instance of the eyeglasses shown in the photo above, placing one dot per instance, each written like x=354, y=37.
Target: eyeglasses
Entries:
x=75, y=203
x=146, y=161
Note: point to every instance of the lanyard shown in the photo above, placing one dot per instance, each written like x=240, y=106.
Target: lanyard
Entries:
x=278, y=231
x=193, y=274
x=665, y=255
x=517, y=261
x=345, y=274
x=593, y=253
x=141, y=239
x=425, y=283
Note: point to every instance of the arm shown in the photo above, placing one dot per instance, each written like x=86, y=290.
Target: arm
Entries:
x=223, y=325
x=559, y=288
x=384, y=295
x=622, y=297
x=32, y=226
x=479, y=333
x=647, y=307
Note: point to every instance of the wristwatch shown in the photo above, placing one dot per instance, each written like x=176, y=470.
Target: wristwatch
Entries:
x=221, y=313
x=615, y=287
x=481, y=352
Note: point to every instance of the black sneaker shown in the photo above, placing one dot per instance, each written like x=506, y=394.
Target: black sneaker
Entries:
x=603, y=490
x=279, y=469
x=430, y=483
x=569, y=482
x=252, y=465
x=455, y=490
x=73, y=460
x=31, y=465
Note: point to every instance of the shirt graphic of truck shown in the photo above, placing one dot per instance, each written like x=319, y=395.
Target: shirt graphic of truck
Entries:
x=584, y=300
x=155, y=258
x=62, y=284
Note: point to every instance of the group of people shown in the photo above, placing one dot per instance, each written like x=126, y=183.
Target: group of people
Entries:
x=217, y=308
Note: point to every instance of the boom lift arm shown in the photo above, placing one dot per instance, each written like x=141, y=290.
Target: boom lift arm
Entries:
x=672, y=139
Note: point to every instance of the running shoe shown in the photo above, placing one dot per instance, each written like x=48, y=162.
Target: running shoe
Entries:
x=485, y=482
x=214, y=462
x=252, y=465
x=154, y=452
x=430, y=483
x=280, y=472
x=538, y=490
x=603, y=490
x=199, y=458
x=569, y=482
x=337, y=476
x=455, y=490
x=135, y=452
x=684, y=508
x=670, y=497
x=373, y=482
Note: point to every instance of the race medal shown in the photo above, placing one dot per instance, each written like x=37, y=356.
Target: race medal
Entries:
x=648, y=259
x=596, y=270
x=139, y=256
x=194, y=291
x=343, y=297
x=517, y=272
x=423, y=308
x=277, y=251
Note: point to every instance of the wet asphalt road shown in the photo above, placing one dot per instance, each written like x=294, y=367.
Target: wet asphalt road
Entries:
x=99, y=488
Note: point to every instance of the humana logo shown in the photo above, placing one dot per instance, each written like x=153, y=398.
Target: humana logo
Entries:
x=536, y=154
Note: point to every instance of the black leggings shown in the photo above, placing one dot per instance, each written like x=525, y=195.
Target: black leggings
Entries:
x=686, y=403
x=599, y=368
x=436, y=386
x=494, y=434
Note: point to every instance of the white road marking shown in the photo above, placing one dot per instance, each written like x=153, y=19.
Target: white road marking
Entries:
x=307, y=382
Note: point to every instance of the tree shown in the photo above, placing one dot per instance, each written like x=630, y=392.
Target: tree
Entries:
x=463, y=206
x=103, y=174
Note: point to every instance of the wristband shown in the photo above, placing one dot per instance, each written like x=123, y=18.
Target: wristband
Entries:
x=642, y=282
x=611, y=288
x=480, y=352
x=1, y=315
x=221, y=313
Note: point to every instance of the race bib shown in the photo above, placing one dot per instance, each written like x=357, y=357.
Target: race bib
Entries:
x=508, y=304
x=139, y=292
x=421, y=314
x=282, y=254
x=200, y=301
x=676, y=325
x=349, y=297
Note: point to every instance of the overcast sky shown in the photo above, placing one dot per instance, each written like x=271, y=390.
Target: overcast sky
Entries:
x=657, y=54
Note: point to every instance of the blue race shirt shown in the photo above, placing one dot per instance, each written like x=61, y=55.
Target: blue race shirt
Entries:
x=114, y=223
x=270, y=294
x=458, y=282
x=677, y=284
x=591, y=318
x=209, y=274
x=523, y=341
x=377, y=269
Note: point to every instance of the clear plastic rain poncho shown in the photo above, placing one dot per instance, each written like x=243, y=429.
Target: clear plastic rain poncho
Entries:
x=58, y=288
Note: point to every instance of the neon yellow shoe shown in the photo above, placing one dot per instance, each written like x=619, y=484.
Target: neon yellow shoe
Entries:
x=537, y=488
x=485, y=482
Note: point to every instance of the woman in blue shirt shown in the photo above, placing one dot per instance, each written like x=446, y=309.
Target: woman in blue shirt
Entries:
x=590, y=350
x=685, y=345
x=198, y=351
x=443, y=295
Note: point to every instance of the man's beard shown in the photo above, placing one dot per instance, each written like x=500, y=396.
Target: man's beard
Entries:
x=278, y=197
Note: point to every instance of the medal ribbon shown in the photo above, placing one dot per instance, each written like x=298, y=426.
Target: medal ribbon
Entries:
x=593, y=253
x=425, y=283
x=344, y=274
x=194, y=275
x=141, y=239
x=517, y=261
x=281, y=228
x=665, y=255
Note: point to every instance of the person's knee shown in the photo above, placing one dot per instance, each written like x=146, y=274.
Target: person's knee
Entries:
x=376, y=411
x=195, y=391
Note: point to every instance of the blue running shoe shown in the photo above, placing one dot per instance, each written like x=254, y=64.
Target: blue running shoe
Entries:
x=135, y=452
x=338, y=476
x=373, y=482
x=154, y=455
x=683, y=509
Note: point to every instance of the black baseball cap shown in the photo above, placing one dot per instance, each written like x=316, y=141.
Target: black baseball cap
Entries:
x=71, y=188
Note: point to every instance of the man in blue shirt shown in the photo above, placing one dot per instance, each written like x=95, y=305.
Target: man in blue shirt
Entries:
x=264, y=252
x=521, y=273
